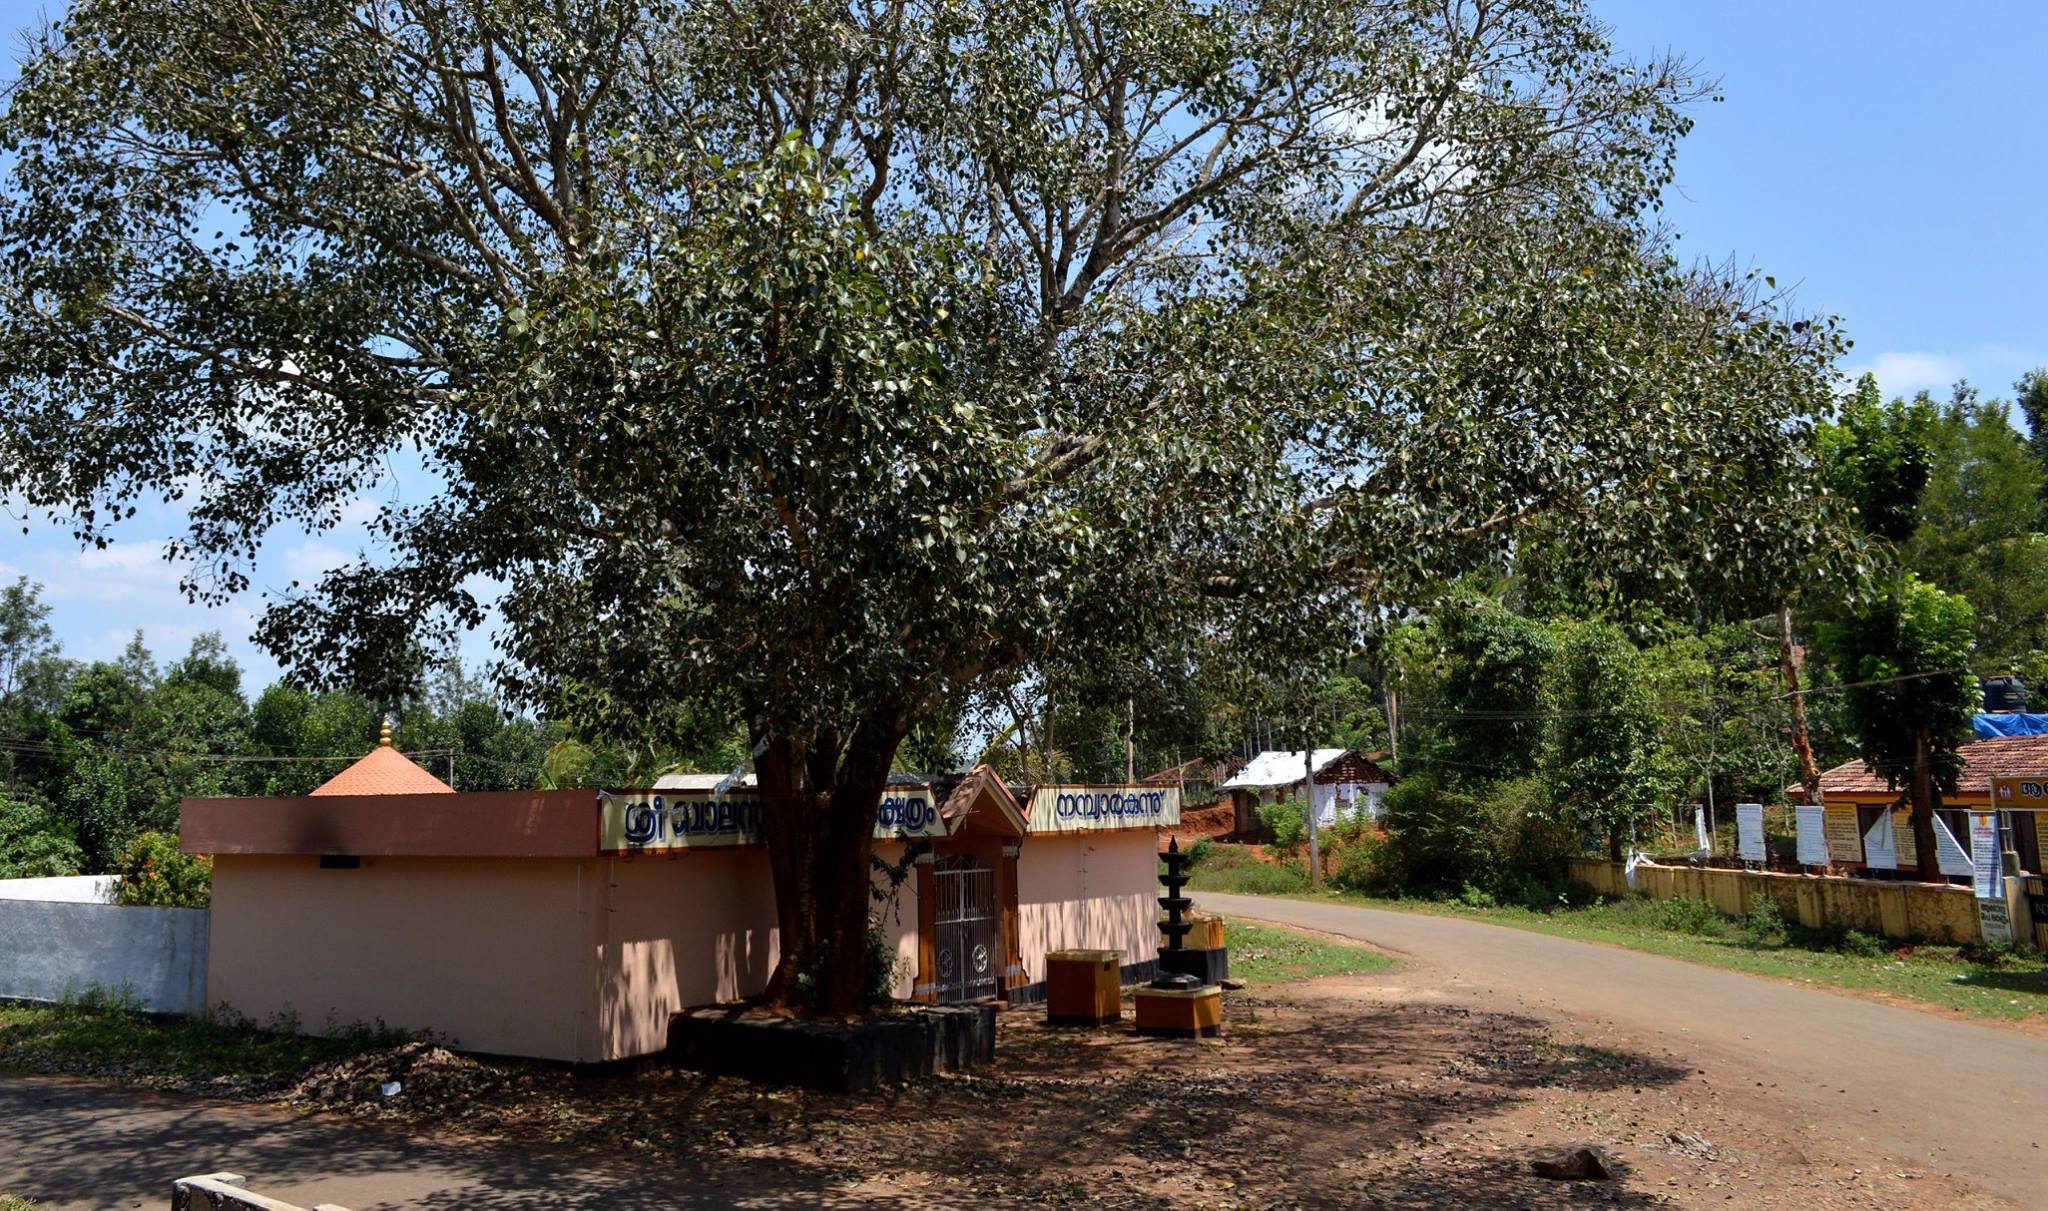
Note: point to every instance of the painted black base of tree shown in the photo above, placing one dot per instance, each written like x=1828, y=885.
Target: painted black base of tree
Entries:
x=839, y=1057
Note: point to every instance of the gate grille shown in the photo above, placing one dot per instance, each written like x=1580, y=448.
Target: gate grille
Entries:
x=966, y=951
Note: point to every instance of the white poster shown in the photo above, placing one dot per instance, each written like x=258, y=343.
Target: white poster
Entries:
x=1749, y=832
x=1985, y=863
x=1948, y=852
x=1813, y=835
x=1071, y=809
x=1880, y=845
x=1994, y=922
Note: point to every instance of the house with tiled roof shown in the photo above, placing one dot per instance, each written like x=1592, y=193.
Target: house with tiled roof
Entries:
x=1859, y=806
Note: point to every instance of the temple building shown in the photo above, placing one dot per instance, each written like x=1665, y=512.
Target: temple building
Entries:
x=571, y=924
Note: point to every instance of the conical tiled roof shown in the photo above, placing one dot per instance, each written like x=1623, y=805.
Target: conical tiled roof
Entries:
x=386, y=771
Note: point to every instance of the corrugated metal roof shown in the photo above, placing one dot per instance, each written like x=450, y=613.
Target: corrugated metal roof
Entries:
x=1278, y=767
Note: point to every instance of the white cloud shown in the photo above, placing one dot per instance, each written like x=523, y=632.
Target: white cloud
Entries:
x=1901, y=373
x=308, y=561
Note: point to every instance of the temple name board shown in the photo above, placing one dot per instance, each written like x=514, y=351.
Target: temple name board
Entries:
x=1072, y=809
x=638, y=821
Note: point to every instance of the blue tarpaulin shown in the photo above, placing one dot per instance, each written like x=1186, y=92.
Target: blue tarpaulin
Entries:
x=1989, y=726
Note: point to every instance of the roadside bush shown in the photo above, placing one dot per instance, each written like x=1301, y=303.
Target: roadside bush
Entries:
x=1199, y=852
x=1861, y=945
x=1496, y=838
x=1765, y=925
x=1288, y=822
x=1689, y=916
x=1356, y=859
x=35, y=844
x=154, y=874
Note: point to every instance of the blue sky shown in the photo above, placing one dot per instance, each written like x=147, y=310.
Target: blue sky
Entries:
x=1888, y=160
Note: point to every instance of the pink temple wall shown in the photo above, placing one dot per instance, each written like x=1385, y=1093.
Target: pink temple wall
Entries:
x=483, y=951
x=1092, y=891
x=556, y=958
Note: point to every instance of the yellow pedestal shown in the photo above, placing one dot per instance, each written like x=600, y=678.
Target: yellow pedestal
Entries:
x=1181, y=1013
x=1083, y=987
x=1207, y=934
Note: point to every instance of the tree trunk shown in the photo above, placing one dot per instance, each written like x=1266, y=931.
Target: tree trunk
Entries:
x=818, y=808
x=1802, y=744
x=1923, y=807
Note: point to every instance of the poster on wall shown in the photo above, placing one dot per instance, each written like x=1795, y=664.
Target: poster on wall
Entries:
x=1905, y=845
x=1749, y=832
x=1948, y=852
x=1994, y=922
x=1074, y=809
x=1881, y=844
x=1985, y=865
x=1812, y=823
x=1845, y=840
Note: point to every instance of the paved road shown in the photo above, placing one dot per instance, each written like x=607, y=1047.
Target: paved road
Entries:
x=67, y=1144
x=1954, y=1095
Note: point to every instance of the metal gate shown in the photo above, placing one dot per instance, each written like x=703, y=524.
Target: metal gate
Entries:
x=967, y=950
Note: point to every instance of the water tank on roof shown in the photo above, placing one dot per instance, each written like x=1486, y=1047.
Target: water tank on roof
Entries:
x=2004, y=694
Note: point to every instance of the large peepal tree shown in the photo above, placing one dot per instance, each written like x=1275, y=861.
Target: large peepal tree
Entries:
x=829, y=357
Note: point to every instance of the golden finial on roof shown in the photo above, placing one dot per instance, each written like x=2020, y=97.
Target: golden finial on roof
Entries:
x=384, y=735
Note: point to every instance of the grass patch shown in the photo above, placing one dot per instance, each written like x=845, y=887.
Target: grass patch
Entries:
x=1260, y=954
x=9, y=1202
x=1234, y=870
x=103, y=1036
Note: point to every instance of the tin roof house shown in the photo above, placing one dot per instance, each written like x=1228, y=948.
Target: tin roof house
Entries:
x=1347, y=783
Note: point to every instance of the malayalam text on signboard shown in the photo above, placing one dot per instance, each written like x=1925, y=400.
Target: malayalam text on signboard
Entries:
x=1068, y=809
x=636, y=821
x=650, y=820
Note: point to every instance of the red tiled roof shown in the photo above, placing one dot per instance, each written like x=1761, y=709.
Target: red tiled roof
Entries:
x=1983, y=760
x=386, y=771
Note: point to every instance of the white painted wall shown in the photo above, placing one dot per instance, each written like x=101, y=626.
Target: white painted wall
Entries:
x=66, y=889
x=51, y=949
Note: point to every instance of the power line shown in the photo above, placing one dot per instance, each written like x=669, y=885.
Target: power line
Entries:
x=16, y=745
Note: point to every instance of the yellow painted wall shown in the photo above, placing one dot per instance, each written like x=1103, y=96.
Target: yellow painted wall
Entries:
x=1913, y=912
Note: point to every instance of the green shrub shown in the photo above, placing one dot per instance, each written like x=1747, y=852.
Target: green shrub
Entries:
x=1199, y=852
x=1496, y=837
x=1356, y=860
x=154, y=874
x=1473, y=897
x=1858, y=944
x=35, y=844
x=1288, y=822
x=1765, y=925
x=1689, y=916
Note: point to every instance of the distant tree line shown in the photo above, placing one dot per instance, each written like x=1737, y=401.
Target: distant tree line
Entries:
x=94, y=754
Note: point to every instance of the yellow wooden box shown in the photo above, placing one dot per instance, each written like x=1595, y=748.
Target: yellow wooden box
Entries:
x=1183, y=1013
x=1084, y=987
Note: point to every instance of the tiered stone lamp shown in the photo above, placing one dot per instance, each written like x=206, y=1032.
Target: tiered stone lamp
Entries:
x=1177, y=1005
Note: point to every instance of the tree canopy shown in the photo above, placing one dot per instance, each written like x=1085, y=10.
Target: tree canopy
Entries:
x=824, y=359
